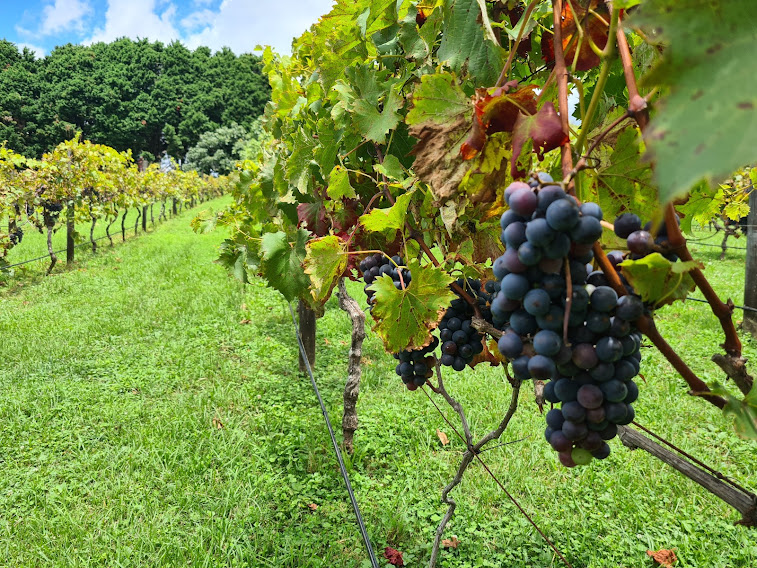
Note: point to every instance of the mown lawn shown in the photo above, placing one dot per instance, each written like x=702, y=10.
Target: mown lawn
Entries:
x=153, y=415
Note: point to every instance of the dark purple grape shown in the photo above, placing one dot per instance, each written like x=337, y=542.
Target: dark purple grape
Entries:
x=629, y=307
x=555, y=419
x=592, y=442
x=584, y=356
x=592, y=210
x=598, y=322
x=609, y=431
x=559, y=248
x=587, y=230
x=529, y=254
x=559, y=442
x=513, y=187
x=579, y=299
x=603, y=299
x=562, y=215
x=626, y=224
x=537, y=302
x=595, y=415
x=603, y=372
x=640, y=242
x=449, y=347
x=459, y=364
x=616, y=412
x=552, y=320
x=633, y=392
x=523, y=202
x=609, y=349
x=541, y=367
x=624, y=370
x=566, y=390
x=549, y=393
x=573, y=431
x=619, y=327
x=511, y=261
x=510, y=345
x=615, y=257
x=615, y=390
x=590, y=396
x=460, y=337
x=597, y=278
x=523, y=323
x=515, y=234
x=602, y=453
x=548, y=195
x=520, y=368
x=573, y=411
x=547, y=343
x=538, y=232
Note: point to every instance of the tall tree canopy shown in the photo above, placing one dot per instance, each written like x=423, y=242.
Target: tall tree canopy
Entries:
x=127, y=94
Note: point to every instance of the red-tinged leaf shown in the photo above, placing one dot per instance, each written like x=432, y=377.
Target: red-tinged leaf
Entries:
x=313, y=216
x=543, y=128
x=346, y=216
x=665, y=558
x=394, y=557
x=594, y=21
x=496, y=110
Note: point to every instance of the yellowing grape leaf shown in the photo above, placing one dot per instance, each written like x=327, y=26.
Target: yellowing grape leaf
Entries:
x=388, y=219
x=706, y=126
x=325, y=263
x=339, y=184
x=659, y=281
x=405, y=318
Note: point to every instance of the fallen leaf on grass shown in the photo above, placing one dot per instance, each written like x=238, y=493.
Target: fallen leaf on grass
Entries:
x=312, y=506
x=217, y=424
x=442, y=437
x=394, y=557
x=450, y=542
x=326, y=341
x=665, y=558
x=245, y=321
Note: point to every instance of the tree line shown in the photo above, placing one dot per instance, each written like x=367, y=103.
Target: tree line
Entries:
x=139, y=95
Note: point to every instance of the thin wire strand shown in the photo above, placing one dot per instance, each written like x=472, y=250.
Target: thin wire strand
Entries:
x=85, y=243
x=745, y=308
x=498, y=482
x=345, y=475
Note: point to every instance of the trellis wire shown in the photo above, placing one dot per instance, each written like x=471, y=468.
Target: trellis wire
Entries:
x=745, y=308
x=345, y=475
x=498, y=482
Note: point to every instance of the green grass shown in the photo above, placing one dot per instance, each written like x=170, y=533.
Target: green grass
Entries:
x=144, y=425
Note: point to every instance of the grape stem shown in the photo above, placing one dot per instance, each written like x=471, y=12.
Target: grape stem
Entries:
x=561, y=73
x=568, y=302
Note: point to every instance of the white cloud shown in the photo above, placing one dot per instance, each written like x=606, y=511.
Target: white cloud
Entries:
x=241, y=25
x=63, y=15
x=137, y=19
x=197, y=20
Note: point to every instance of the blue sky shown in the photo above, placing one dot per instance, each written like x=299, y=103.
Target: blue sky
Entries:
x=238, y=24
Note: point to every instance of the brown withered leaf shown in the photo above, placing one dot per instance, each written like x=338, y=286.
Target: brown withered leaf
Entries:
x=437, y=156
x=217, y=424
x=663, y=557
x=595, y=26
x=486, y=356
x=394, y=557
x=543, y=128
x=312, y=506
x=442, y=437
x=245, y=321
x=496, y=110
x=451, y=542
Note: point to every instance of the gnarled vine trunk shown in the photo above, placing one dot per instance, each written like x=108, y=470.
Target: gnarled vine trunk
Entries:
x=354, y=367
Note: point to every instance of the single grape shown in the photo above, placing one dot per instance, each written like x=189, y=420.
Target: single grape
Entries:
x=529, y=254
x=573, y=411
x=559, y=248
x=541, y=367
x=581, y=456
x=626, y=224
x=559, y=442
x=584, y=356
x=573, y=431
x=592, y=210
x=513, y=187
x=609, y=349
x=603, y=299
x=515, y=234
x=602, y=453
x=555, y=419
x=547, y=343
x=562, y=215
x=566, y=390
x=537, y=302
x=640, y=242
x=548, y=195
x=629, y=307
x=510, y=345
x=523, y=201
x=586, y=231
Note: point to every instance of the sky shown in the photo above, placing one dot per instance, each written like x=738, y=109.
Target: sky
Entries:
x=240, y=25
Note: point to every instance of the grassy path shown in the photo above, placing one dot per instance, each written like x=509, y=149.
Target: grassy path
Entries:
x=144, y=425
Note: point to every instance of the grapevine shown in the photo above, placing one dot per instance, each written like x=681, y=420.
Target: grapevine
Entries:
x=441, y=135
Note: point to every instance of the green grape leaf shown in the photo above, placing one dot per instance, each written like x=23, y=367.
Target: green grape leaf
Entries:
x=743, y=411
x=391, y=168
x=339, y=184
x=659, y=281
x=281, y=263
x=375, y=124
x=389, y=219
x=405, y=318
x=703, y=205
x=464, y=45
x=298, y=164
x=706, y=126
x=325, y=263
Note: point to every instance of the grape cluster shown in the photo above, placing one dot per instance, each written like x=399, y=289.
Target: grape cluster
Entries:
x=460, y=340
x=378, y=265
x=16, y=236
x=415, y=366
x=549, y=240
x=640, y=241
x=51, y=212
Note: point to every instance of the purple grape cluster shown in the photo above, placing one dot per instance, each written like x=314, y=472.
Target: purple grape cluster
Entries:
x=415, y=366
x=549, y=240
x=378, y=265
x=460, y=341
x=640, y=241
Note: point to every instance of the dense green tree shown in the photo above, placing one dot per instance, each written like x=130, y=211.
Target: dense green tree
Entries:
x=138, y=95
x=218, y=151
